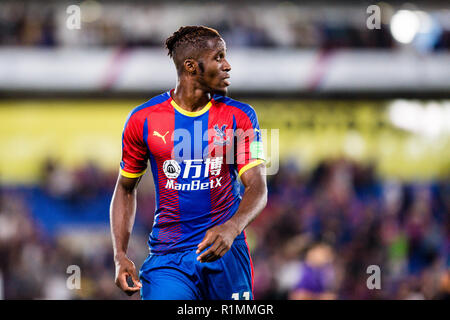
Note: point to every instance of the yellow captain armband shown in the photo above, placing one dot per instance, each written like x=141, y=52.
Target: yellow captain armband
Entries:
x=250, y=165
x=131, y=175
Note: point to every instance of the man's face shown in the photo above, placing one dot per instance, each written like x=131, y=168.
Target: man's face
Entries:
x=214, y=68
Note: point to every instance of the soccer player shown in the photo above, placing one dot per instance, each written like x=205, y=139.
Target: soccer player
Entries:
x=201, y=146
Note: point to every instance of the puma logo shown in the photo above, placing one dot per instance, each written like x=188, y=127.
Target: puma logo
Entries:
x=156, y=133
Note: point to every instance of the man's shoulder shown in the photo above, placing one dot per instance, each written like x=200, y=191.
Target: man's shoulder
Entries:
x=156, y=100
x=245, y=107
x=148, y=105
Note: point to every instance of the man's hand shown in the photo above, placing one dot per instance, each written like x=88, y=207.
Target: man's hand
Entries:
x=220, y=238
x=125, y=268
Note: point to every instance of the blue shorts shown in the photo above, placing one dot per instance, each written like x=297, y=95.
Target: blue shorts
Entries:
x=179, y=276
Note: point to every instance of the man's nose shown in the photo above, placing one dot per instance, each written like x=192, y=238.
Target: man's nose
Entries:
x=226, y=66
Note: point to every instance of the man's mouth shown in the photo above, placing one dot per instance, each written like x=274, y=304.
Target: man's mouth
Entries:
x=226, y=81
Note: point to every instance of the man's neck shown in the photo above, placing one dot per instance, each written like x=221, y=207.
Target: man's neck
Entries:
x=190, y=98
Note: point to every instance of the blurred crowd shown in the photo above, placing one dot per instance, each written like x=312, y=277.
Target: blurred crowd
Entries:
x=55, y=224
x=277, y=25
x=323, y=233
x=320, y=237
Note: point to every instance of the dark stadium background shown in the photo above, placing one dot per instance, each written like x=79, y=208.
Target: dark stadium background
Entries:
x=360, y=173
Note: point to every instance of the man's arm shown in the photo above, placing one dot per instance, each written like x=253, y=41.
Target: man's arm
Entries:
x=122, y=214
x=254, y=200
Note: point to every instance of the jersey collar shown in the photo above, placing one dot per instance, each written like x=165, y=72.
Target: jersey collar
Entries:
x=189, y=113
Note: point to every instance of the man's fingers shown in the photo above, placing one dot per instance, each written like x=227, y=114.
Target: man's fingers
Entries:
x=219, y=253
x=210, y=253
x=135, y=278
x=206, y=242
x=132, y=290
x=210, y=258
x=205, y=254
x=137, y=283
x=123, y=284
x=122, y=281
x=222, y=252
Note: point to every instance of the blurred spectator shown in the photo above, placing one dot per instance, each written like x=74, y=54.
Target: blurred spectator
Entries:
x=316, y=275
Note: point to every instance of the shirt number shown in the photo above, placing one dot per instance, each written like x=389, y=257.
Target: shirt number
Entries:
x=245, y=296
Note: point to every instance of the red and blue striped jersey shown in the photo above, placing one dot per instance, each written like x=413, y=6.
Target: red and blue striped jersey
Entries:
x=196, y=159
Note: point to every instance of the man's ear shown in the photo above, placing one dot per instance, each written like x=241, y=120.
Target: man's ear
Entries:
x=190, y=65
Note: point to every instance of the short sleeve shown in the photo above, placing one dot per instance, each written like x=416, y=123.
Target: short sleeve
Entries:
x=249, y=149
x=134, y=149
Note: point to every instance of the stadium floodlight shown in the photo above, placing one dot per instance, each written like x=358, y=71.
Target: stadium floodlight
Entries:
x=425, y=22
x=428, y=119
x=404, y=26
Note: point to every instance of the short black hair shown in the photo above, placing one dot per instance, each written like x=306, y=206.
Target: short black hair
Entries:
x=195, y=36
